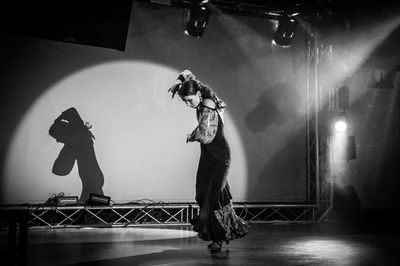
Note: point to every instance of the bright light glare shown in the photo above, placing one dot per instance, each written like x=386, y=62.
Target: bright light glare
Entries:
x=118, y=234
x=340, y=251
x=340, y=126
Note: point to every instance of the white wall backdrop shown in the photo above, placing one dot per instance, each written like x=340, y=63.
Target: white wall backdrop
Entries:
x=140, y=131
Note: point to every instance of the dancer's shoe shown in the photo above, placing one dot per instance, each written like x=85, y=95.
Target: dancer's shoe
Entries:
x=215, y=246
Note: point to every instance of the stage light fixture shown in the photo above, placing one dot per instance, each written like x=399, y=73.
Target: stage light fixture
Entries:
x=67, y=200
x=340, y=123
x=340, y=126
x=95, y=199
x=284, y=33
x=197, y=20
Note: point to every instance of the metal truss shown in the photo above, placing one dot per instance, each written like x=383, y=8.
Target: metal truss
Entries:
x=319, y=185
x=168, y=213
x=276, y=213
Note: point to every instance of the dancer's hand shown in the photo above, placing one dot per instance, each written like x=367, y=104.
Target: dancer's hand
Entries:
x=189, y=138
x=175, y=88
x=187, y=75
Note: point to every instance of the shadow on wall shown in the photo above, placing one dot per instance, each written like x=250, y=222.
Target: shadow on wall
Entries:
x=270, y=109
x=285, y=171
x=70, y=129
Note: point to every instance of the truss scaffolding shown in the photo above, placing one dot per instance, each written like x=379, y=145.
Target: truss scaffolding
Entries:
x=168, y=213
x=319, y=183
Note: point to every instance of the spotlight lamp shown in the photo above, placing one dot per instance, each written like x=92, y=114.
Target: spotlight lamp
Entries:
x=197, y=20
x=285, y=31
x=340, y=126
x=340, y=123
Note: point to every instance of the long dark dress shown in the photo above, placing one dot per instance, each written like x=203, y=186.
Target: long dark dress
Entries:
x=217, y=220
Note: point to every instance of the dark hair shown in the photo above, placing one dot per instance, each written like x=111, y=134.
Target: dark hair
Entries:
x=191, y=87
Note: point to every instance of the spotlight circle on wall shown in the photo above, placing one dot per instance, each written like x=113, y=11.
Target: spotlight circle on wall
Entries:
x=140, y=138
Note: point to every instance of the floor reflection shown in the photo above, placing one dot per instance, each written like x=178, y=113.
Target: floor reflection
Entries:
x=266, y=244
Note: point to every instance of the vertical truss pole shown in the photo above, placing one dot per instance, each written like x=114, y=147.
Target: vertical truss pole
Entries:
x=308, y=118
x=320, y=186
x=316, y=112
x=312, y=123
x=312, y=128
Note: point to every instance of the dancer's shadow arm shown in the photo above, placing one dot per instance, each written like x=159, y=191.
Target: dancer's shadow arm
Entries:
x=65, y=161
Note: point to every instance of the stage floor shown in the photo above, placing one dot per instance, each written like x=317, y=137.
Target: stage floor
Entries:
x=266, y=244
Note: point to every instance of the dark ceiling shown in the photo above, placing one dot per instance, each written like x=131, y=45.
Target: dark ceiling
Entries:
x=307, y=7
x=85, y=22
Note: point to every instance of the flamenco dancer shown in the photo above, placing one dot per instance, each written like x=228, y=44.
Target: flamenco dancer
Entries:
x=217, y=221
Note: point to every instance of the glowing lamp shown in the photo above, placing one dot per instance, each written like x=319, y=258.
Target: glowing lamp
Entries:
x=340, y=126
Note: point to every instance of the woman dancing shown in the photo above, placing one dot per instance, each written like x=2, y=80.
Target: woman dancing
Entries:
x=217, y=221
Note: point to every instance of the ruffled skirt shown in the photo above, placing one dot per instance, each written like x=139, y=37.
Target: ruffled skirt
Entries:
x=217, y=220
x=220, y=225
